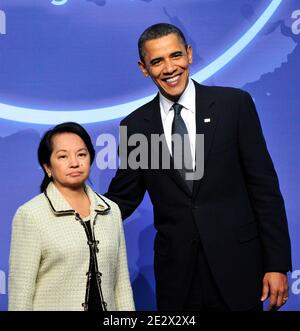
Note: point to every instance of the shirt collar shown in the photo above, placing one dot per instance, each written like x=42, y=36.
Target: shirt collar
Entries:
x=187, y=99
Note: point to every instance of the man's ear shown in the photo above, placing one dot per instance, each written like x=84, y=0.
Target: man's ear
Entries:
x=143, y=68
x=189, y=51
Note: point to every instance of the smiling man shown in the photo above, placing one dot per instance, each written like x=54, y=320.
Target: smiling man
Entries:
x=222, y=241
x=166, y=60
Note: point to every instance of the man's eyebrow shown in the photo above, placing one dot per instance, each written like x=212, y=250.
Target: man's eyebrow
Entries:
x=156, y=59
x=176, y=53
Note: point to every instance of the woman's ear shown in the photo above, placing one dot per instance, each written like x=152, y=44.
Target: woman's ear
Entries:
x=47, y=169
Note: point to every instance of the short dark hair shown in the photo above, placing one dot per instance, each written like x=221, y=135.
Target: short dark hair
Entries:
x=45, y=148
x=157, y=31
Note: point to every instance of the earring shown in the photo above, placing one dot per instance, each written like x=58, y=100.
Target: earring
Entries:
x=49, y=174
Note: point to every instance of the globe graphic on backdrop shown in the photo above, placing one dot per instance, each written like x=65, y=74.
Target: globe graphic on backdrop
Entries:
x=79, y=55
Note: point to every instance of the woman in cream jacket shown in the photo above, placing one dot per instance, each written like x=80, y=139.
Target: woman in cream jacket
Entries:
x=68, y=250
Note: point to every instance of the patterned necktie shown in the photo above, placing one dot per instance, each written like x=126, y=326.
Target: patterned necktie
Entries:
x=181, y=148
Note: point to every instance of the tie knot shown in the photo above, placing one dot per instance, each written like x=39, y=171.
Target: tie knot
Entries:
x=177, y=108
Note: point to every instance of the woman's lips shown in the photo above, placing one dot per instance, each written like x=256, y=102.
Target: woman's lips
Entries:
x=75, y=174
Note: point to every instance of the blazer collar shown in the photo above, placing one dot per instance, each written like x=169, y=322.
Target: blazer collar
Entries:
x=152, y=112
x=205, y=101
x=60, y=206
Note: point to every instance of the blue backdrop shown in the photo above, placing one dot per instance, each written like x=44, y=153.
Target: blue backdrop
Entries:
x=77, y=60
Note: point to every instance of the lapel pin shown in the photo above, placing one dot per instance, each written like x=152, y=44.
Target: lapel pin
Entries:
x=206, y=120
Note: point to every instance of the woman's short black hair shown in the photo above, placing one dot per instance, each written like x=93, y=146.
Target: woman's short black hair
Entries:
x=46, y=146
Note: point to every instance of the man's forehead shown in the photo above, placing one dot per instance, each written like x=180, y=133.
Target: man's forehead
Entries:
x=171, y=37
x=167, y=43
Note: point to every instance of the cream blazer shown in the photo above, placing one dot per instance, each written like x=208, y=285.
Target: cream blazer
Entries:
x=49, y=255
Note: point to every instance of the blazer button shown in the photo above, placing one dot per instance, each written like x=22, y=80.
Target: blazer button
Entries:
x=195, y=206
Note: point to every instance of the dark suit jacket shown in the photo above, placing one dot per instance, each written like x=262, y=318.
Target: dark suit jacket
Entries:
x=236, y=209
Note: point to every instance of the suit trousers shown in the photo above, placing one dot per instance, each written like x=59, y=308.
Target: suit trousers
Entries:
x=204, y=294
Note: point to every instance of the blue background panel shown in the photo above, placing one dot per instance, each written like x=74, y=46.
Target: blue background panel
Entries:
x=77, y=60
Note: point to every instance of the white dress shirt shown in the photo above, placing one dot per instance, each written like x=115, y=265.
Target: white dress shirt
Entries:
x=188, y=114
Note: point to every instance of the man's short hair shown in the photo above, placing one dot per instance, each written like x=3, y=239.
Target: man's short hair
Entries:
x=157, y=31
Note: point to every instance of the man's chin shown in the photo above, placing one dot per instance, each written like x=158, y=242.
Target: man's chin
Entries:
x=172, y=97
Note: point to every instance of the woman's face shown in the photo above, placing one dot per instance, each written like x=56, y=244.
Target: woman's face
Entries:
x=69, y=161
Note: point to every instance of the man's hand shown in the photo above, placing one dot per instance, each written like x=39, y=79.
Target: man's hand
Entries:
x=275, y=285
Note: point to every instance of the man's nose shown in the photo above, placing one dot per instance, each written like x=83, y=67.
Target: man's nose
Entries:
x=169, y=67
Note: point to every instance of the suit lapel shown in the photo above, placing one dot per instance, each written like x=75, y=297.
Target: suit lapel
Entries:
x=155, y=126
x=206, y=122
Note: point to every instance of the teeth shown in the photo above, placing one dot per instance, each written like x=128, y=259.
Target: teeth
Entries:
x=170, y=80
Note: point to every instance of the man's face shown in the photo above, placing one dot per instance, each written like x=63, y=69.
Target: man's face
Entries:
x=166, y=61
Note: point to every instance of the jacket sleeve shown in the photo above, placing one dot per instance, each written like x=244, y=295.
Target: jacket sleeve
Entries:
x=127, y=188
x=25, y=254
x=263, y=188
x=123, y=290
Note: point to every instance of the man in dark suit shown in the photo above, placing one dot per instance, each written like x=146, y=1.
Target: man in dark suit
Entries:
x=222, y=240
